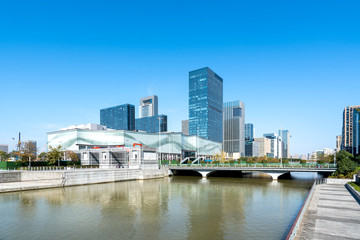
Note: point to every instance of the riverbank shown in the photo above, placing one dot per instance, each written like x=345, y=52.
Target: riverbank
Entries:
x=30, y=180
x=333, y=213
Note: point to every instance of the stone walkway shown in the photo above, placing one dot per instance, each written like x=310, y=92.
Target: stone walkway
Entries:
x=333, y=213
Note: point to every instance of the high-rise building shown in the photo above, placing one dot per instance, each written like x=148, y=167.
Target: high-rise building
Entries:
x=119, y=117
x=205, y=104
x=234, y=127
x=148, y=106
x=347, y=129
x=152, y=124
x=356, y=132
x=252, y=149
x=249, y=132
x=285, y=140
x=276, y=150
x=264, y=146
x=185, y=127
x=4, y=148
x=338, y=142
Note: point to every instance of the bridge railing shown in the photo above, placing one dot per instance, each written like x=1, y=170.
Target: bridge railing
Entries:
x=255, y=165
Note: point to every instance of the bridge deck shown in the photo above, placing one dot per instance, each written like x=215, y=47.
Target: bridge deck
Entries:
x=253, y=169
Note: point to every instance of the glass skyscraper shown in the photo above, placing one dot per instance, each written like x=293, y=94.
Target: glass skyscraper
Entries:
x=151, y=124
x=234, y=127
x=205, y=104
x=285, y=138
x=249, y=132
x=119, y=117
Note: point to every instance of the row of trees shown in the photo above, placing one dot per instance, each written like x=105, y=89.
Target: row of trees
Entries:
x=28, y=151
x=347, y=164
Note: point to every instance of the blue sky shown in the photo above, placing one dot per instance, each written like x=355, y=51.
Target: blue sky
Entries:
x=295, y=64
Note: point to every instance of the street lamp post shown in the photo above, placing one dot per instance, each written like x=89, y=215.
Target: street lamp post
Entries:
x=159, y=144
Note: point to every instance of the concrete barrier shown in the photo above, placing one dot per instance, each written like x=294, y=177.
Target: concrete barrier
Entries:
x=338, y=181
x=353, y=192
x=29, y=180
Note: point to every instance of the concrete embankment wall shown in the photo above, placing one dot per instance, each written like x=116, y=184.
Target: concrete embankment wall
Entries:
x=29, y=180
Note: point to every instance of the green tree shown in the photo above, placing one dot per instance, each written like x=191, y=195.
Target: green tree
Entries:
x=54, y=154
x=4, y=156
x=73, y=156
x=43, y=156
x=27, y=152
x=345, y=164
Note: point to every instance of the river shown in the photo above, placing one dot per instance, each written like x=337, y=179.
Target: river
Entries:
x=179, y=207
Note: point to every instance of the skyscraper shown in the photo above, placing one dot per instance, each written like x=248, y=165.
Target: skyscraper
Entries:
x=347, y=129
x=152, y=124
x=356, y=132
x=148, y=106
x=249, y=132
x=285, y=140
x=185, y=127
x=205, y=104
x=276, y=150
x=338, y=142
x=234, y=127
x=120, y=117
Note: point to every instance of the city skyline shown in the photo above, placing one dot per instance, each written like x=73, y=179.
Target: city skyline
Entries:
x=288, y=69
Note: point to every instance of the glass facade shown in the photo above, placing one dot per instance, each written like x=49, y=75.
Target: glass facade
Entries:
x=285, y=138
x=249, y=132
x=152, y=124
x=205, y=104
x=148, y=106
x=119, y=117
x=234, y=127
x=175, y=143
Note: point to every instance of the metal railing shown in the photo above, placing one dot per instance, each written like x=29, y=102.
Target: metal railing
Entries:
x=255, y=165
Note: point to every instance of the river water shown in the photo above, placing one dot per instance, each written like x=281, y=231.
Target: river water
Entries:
x=178, y=207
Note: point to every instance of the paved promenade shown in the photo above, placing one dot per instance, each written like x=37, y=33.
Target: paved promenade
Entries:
x=333, y=213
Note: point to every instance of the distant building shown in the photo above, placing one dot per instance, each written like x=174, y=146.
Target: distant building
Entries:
x=185, y=127
x=148, y=106
x=338, y=142
x=303, y=157
x=356, y=132
x=249, y=132
x=285, y=140
x=152, y=124
x=264, y=146
x=234, y=127
x=252, y=149
x=347, y=129
x=4, y=148
x=206, y=104
x=276, y=149
x=119, y=117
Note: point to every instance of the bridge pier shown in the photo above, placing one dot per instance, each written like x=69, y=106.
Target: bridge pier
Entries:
x=276, y=175
x=204, y=173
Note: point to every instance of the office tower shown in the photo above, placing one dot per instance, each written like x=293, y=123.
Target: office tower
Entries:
x=234, y=127
x=252, y=149
x=347, y=129
x=285, y=140
x=148, y=106
x=185, y=127
x=338, y=142
x=276, y=149
x=4, y=148
x=264, y=146
x=152, y=124
x=356, y=132
x=119, y=117
x=205, y=104
x=249, y=132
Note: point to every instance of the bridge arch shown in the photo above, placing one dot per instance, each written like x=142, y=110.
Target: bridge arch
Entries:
x=275, y=175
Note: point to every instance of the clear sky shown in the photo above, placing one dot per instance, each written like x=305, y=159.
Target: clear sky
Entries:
x=295, y=64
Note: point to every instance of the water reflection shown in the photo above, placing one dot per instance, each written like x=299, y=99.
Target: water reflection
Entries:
x=169, y=208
